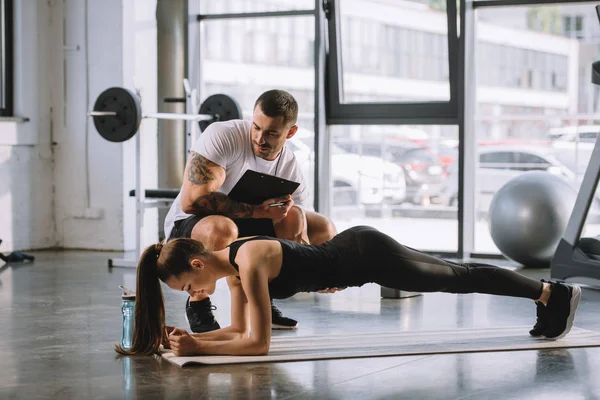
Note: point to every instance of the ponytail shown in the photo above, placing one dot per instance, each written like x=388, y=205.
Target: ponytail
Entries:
x=149, y=325
x=157, y=264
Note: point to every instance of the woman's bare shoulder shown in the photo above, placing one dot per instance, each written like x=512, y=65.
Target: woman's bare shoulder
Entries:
x=257, y=254
x=259, y=248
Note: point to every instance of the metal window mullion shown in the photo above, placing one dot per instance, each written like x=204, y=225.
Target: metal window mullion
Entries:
x=453, y=52
x=9, y=53
x=509, y=3
x=3, y=80
x=265, y=14
x=347, y=119
x=333, y=65
x=467, y=151
x=434, y=113
x=7, y=59
x=322, y=164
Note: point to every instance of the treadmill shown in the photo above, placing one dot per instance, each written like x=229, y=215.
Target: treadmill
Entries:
x=576, y=256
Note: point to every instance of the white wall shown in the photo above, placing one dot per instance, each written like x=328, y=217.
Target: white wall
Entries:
x=88, y=176
x=61, y=185
x=26, y=200
x=121, y=52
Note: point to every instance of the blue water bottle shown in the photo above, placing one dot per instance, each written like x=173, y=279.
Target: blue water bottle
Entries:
x=127, y=308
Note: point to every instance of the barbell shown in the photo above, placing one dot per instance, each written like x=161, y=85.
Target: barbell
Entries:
x=117, y=113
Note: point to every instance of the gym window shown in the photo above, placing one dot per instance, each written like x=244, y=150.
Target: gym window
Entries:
x=364, y=53
x=6, y=58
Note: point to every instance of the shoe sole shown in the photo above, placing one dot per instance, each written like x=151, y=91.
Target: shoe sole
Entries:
x=535, y=334
x=188, y=320
x=283, y=327
x=575, y=297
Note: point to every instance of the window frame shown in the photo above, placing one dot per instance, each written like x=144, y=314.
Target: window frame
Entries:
x=510, y=3
x=6, y=59
x=365, y=113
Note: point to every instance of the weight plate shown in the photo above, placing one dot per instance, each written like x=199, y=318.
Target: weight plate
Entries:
x=125, y=124
x=221, y=107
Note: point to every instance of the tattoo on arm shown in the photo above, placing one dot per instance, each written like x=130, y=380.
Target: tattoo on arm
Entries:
x=200, y=173
x=215, y=202
x=219, y=203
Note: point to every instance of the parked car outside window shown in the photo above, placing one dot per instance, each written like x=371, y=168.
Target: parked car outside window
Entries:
x=424, y=172
x=584, y=133
x=356, y=180
x=498, y=164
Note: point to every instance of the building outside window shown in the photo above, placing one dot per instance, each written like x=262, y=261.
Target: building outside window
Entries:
x=532, y=70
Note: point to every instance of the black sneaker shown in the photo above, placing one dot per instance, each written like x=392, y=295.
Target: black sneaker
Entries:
x=541, y=322
x=561, y=307
x=278, y=321
x=200, y=317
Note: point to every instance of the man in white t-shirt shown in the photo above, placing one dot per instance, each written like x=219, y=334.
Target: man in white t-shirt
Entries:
x=218, y=159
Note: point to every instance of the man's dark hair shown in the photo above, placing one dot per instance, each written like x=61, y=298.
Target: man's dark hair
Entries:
x=278, y=103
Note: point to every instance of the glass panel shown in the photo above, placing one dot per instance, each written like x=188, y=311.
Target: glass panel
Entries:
x=393, y=52
x=246, y=6
x=240, y=60
x=399, y=179
x=538, y=107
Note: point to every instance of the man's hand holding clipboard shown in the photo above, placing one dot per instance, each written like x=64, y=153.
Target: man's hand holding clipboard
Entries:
x=270, y=195
x=275, y=209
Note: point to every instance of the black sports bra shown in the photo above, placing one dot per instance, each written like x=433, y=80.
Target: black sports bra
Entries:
x=235, y=247
x=309, y=268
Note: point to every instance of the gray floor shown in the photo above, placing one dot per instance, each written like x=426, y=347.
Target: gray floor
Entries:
x=60, y=317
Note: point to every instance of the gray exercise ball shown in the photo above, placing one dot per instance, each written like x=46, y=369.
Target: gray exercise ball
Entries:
x=528, y=216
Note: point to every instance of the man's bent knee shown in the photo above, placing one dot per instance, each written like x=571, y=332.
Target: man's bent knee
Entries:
x=293, y=226
x=215, y=232
x=320, y=228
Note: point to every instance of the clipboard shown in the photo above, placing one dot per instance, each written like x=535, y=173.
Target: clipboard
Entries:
x=256, y=187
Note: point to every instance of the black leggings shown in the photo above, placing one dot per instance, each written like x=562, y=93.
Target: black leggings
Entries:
x=393, y=265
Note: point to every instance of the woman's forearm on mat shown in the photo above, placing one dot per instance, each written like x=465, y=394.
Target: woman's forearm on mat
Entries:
x=228, y=333
x=236, y=347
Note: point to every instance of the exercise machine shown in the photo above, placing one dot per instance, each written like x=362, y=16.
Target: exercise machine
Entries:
x=576, y=256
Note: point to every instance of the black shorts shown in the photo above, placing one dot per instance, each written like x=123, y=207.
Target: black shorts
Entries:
x=246, y=227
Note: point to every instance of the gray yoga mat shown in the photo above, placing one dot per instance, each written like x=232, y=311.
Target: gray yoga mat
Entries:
x=322, y=347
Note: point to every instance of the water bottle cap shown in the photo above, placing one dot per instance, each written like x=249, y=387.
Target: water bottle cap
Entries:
x=127, y=294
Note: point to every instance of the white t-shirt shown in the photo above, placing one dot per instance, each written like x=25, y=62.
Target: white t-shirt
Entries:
x=229, y=145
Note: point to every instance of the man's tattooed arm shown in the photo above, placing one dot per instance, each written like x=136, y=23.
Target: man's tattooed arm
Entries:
x=200, y=173
x=219, y=203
